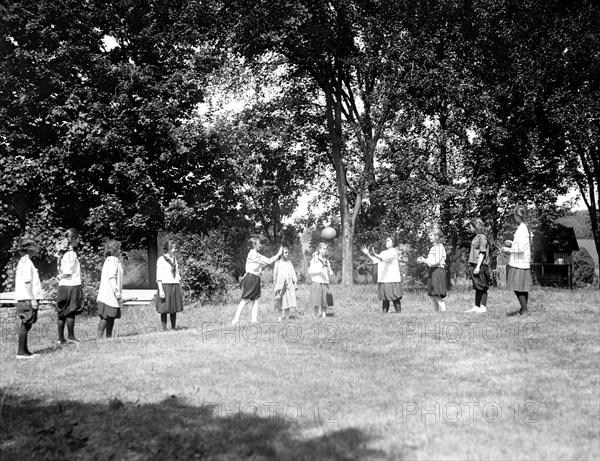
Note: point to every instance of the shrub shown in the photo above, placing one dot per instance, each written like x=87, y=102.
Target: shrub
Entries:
x=583, y=268
x=205, y=261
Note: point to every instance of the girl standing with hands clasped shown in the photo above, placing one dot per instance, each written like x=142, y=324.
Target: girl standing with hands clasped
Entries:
x=319, y=271
x=436, y=261
x=518, y=269
x=284, y=278
x=28, y=291
x=169, y=299
x=251, y=280
x=69, y=299
x=478, y=265
x=110, y=299
x=389, y=287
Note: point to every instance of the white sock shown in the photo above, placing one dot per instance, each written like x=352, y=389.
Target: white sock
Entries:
x=238, y=312
x=254, y=311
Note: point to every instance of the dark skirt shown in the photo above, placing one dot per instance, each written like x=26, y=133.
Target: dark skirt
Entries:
x=251, y=287
x=389, y=291
x=26, y=312
x=518, y=279
x=108, y=312
x=173, y=301
x=482, y=280
x=436, y=282
x=320, y=295
x=69, y=301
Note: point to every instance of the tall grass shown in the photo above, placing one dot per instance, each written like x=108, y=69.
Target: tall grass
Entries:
x=357, y=385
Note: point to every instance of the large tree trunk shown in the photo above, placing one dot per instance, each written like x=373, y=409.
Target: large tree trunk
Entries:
x=334, y=123
x=592, y=198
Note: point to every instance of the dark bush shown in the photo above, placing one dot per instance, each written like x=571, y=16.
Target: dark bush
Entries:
x=583, y=268
x=205, y=266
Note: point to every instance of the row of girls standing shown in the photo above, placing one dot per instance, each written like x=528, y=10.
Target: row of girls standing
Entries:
x=518, y=275
x=389, y=279
x=518, y=269
x=169, y=298
x=28, y=290
x=69, y=298
x=285, y=280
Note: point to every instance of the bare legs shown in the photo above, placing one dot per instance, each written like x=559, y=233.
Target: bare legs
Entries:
x=240, y=308
x=439, y=305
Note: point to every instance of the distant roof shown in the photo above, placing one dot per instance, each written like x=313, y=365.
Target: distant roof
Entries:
x=555, y=238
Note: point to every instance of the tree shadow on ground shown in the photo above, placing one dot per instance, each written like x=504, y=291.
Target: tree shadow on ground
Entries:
x=36, y=429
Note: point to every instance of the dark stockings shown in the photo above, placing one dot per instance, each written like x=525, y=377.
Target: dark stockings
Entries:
x=70, y=321
x=523, y=297
x=23, y=331
x=163, y=321
x=385, y=306
x=480, y=298
x=106, y=324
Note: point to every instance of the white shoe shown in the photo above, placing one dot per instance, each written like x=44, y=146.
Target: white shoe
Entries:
x=324, y=315
x=26, y=357
x=473, y=309
x=482, y=310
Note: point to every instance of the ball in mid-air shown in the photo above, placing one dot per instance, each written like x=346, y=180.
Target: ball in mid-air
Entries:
x=328, y=233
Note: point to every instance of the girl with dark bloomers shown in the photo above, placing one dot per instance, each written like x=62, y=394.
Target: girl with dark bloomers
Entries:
x=28, y=292
x=69, y=299
x=478, y=265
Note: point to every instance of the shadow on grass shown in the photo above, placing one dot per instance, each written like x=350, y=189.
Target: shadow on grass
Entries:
x=171, y=429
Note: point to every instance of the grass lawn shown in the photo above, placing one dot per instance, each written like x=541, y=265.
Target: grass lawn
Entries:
x=357, y=385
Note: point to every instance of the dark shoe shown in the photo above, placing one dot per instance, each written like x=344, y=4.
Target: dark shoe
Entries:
x=513, y=313
x=62, y=342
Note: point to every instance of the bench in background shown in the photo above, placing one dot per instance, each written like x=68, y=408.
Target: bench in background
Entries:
x=131, y=297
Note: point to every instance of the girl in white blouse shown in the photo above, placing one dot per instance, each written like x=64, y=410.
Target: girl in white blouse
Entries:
x=169, y=297
x=436, y=261
x=319, y=270
x=389, y=287
x=28, y=291
x=518, y=269
x=251, y=291
x=110, y=299
x=69, y=298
